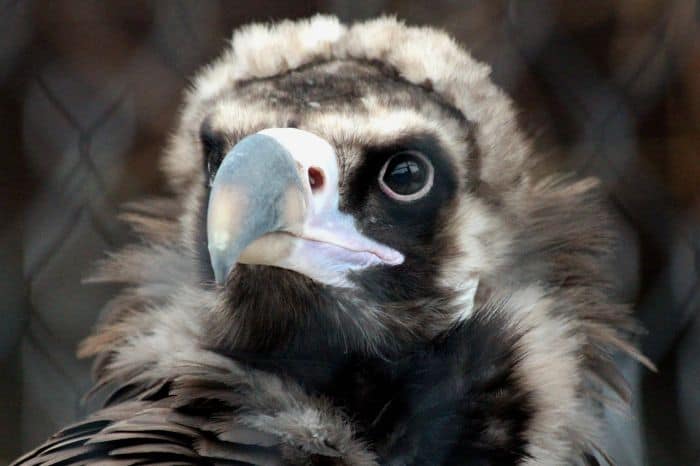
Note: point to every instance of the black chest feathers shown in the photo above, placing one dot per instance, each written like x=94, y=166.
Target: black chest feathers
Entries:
x=453, y=401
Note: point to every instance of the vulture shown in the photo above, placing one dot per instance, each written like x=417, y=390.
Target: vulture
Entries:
x=359, y=263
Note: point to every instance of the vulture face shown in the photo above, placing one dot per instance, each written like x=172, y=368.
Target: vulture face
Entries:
x=333, y=210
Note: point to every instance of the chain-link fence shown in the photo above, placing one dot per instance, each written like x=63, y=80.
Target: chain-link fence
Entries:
x=90, y=90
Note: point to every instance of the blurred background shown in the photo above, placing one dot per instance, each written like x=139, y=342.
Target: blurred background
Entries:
x=90, y=90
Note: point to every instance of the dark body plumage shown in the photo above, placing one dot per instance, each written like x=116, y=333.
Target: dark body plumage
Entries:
x=489, y=345
x=420, y=409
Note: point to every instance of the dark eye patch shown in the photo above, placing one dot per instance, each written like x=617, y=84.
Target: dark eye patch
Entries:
x=214, y=145
x=410, y=227
x=363, y=188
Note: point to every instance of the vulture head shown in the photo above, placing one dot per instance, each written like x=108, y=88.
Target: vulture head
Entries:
x=358, y=264
x=344, y=188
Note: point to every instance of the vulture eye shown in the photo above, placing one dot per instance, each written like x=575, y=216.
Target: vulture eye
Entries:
x=406, y=176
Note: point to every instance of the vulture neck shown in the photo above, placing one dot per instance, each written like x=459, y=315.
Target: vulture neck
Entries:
x=273, y=312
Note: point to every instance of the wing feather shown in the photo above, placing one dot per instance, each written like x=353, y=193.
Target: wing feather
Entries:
x=140, y=432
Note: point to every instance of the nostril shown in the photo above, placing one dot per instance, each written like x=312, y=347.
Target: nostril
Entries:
x=316, y=178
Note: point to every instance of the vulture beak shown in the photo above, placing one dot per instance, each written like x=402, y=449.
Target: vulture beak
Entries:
x=274, y=201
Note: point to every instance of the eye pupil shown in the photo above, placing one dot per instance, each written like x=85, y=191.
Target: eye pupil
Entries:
x=406, y=176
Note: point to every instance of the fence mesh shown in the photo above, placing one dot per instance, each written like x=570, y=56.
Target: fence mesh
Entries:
x=90, y=91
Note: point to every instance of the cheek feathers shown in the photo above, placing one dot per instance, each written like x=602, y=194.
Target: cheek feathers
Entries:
x=481, y=240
